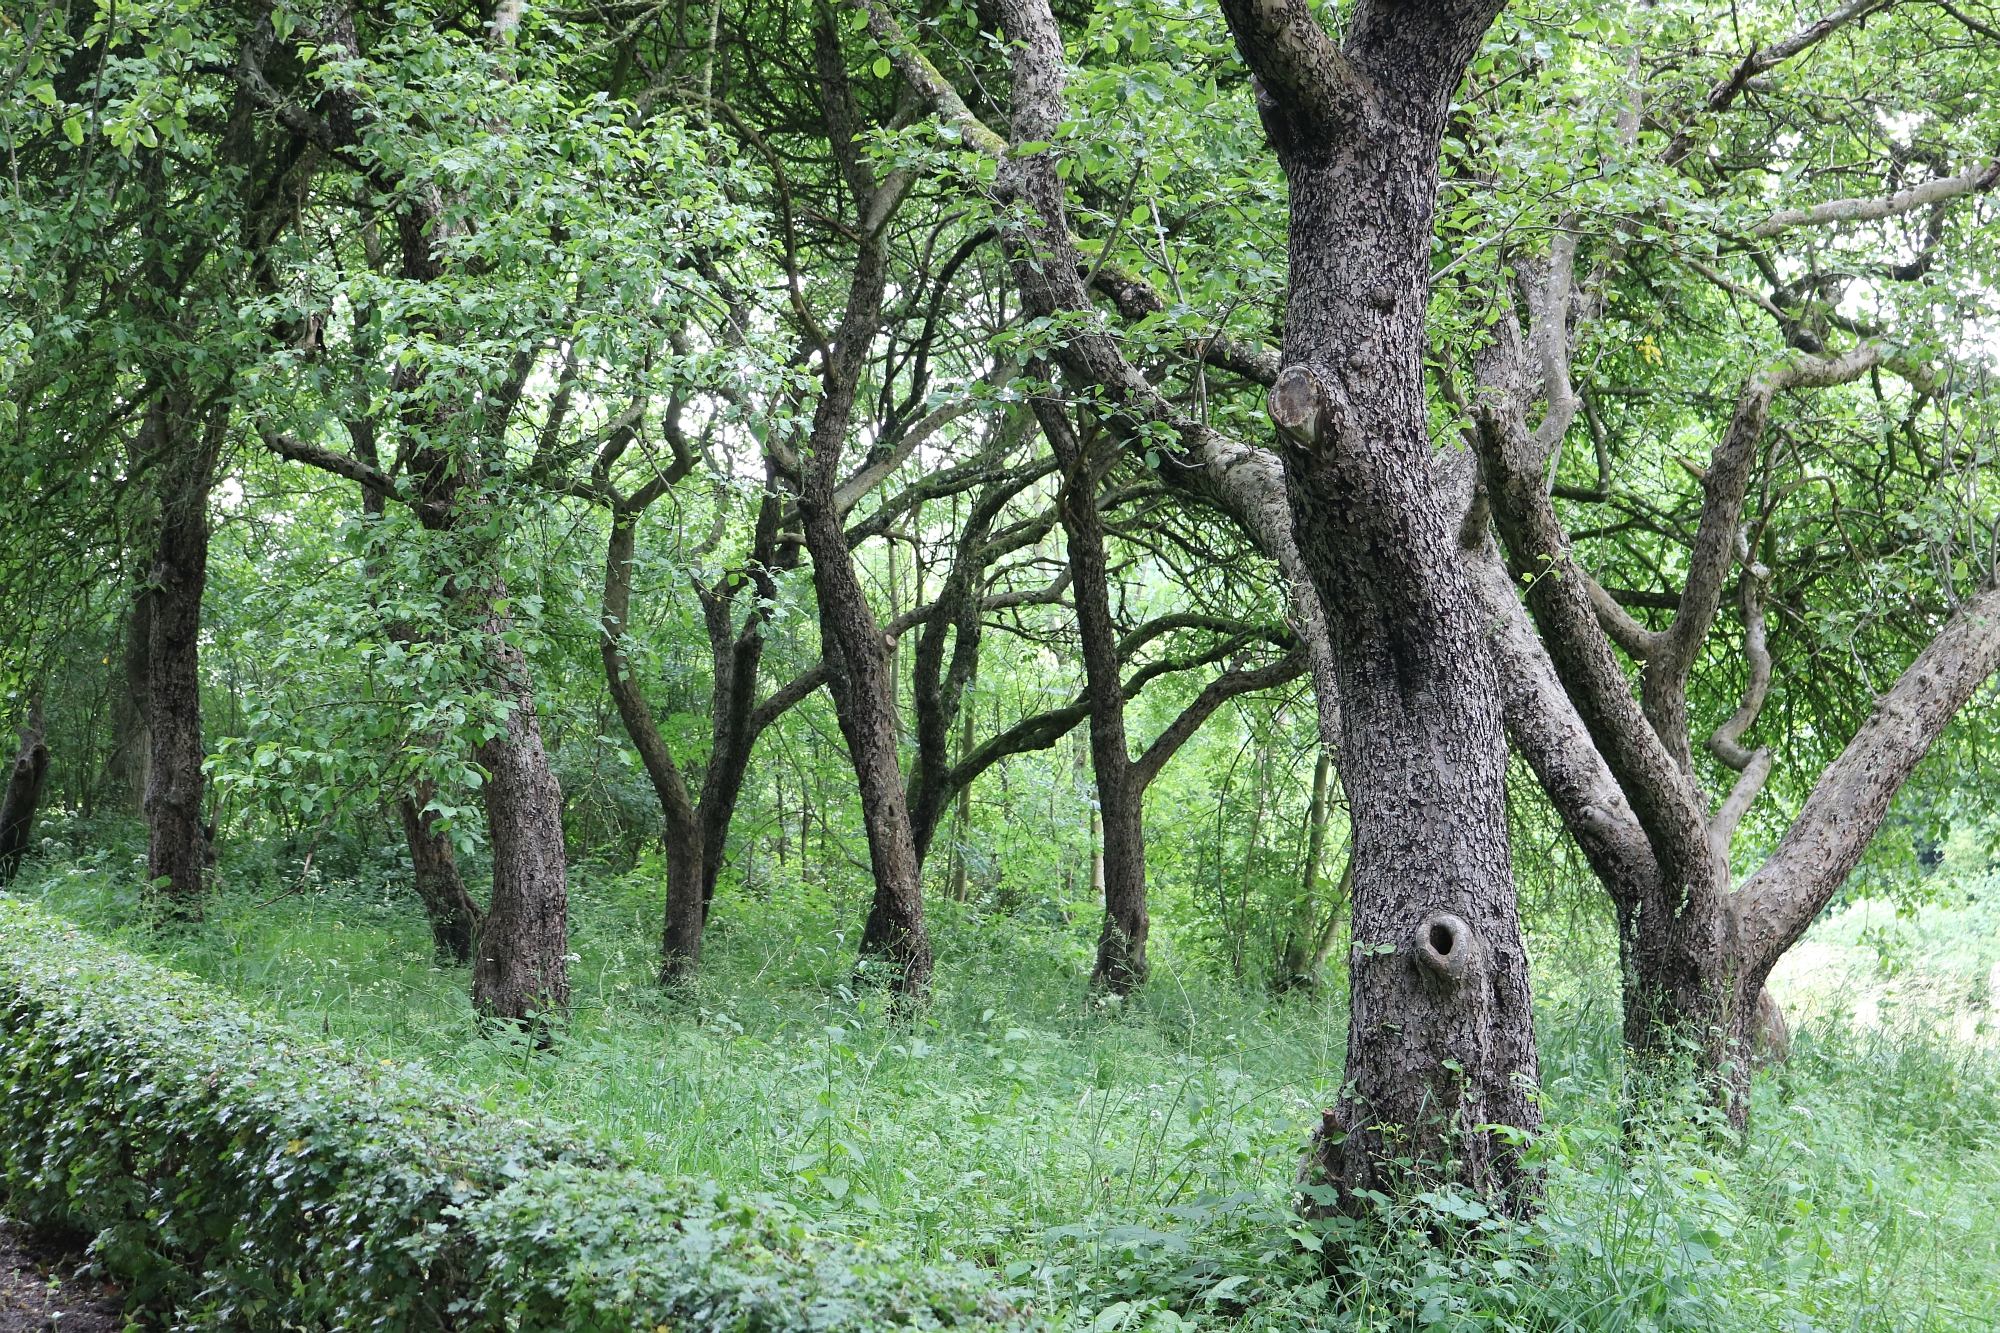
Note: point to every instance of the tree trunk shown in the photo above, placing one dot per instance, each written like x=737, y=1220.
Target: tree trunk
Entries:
x=1295, y=971
x=454, y=917
x=24, y=794
x=680, y=944
x=176, y=847
x=859, y=676
x=1121, y=943
x=521, y=969
x=737, y=721
x=1441, y=1035
x=962, y=821
x=131, y=738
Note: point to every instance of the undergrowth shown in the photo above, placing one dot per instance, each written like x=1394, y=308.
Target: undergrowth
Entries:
x=1131, y=1164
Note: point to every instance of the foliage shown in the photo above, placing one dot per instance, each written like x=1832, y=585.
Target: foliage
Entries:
x=1128, y=1166
x=248, y=1178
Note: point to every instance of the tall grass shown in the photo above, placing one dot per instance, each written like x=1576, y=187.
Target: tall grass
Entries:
x=1131, y=1163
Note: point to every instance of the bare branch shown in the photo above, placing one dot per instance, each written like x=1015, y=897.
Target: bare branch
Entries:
x=328, y=460
x=1215, y=694
x=924, y=79
x=1544, y=726
x=1872, y=210
x=1762, y=59
x=872, y=473
x=1725, y=742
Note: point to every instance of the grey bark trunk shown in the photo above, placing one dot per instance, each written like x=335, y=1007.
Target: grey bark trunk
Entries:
x=1441, y=1035
x=860, y=676
x=859, y=666
x=521, y=968
x=453, y=915
x=24, y=794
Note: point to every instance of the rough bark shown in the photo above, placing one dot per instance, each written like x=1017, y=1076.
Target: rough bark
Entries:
x=859, y=677
x=454, y=917
x=1441, y=1041
x=1695, y=952
x=24, y=794
x=521, y=968
x=188, y=443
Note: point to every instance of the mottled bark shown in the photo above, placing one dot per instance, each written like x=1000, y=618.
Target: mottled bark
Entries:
x=1695, y=952
x=25, y=779
x=521, y=968
x=1441, y=1039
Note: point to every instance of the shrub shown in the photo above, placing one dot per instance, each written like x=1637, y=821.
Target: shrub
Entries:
x=247, y=1178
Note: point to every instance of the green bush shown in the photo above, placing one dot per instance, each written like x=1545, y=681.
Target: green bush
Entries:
x=248, y=1179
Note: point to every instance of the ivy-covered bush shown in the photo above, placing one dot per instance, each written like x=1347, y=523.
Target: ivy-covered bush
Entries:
x=246, y=1178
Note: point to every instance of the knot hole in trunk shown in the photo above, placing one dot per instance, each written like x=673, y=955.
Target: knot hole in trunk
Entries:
x=1445, y=949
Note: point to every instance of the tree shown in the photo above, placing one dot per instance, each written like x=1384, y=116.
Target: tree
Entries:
x=1697, y=942
x=25, y=779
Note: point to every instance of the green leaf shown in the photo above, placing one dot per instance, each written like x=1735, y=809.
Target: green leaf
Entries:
x=882, y=67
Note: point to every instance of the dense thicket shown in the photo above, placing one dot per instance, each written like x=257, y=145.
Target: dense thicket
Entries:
x=873, y=439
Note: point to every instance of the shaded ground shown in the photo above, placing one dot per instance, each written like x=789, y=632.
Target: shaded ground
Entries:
x=39, y=1294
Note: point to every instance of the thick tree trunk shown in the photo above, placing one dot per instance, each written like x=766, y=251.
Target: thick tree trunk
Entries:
x=176, y=848
x=1121, y=943
x=521, y=968
x=24, y=794
x=454, y=917
x=1441, y=1037
x=895, y=933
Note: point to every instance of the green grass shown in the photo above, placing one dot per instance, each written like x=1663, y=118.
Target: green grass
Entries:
x=1131, y=1163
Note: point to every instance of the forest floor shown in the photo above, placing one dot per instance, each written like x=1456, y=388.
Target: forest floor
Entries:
x=1130, y=1164
x=40, y=1292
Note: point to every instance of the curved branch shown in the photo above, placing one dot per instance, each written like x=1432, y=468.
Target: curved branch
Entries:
x=1852, y=797
x=1213, y=695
